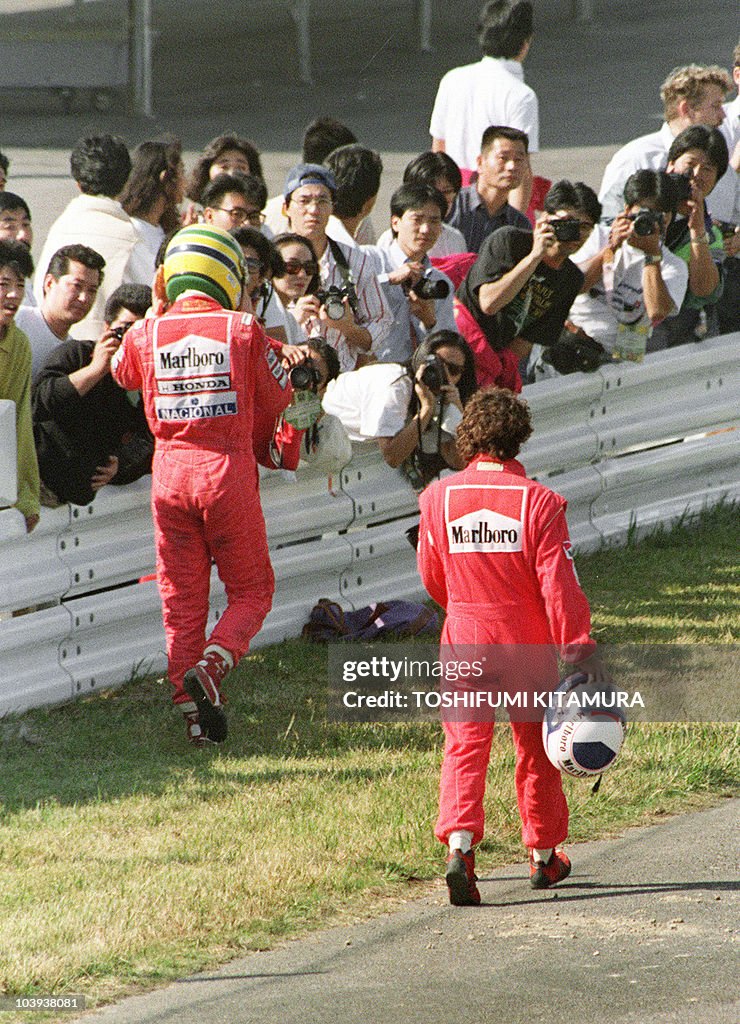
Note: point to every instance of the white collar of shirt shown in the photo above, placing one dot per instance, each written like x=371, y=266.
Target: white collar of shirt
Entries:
x=514, y=67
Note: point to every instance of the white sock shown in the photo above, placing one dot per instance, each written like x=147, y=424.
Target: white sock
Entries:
x=226, y=655
x=460, y=840
x=542, y=856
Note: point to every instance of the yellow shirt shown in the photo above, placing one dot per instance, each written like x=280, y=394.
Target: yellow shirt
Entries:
x=15, y=385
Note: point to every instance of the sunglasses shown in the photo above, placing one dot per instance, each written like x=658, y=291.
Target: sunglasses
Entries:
x=296, y=266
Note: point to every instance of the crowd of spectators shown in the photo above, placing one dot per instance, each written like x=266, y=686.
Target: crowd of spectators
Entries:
x=474, y=278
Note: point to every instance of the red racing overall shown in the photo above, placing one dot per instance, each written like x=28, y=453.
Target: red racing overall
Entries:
x=517, y=586
x=211, y=385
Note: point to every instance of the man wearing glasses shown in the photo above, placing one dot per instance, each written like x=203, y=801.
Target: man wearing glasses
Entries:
x=365, y=321
x=235, y=201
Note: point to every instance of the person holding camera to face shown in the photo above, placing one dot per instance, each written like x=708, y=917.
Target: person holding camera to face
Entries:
x=632, y=282
x=411, y=410
x=348, y=309
x=521, y=287
x=418, y=295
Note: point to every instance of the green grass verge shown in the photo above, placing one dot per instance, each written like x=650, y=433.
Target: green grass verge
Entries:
x=126, y=858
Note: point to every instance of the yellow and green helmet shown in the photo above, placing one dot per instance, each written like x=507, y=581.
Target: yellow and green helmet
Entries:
x=206, y=259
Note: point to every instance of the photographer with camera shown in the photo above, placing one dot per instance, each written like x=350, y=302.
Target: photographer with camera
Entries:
x=261, y=261
x=412, y=410
x=631, y=280
x=88, y=433
x=418, y=295
x=521, y=287
x=349, y=309
x=697, y=159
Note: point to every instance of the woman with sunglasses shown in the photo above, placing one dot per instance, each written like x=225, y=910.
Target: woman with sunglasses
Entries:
x=411, y=410
x=296, y=284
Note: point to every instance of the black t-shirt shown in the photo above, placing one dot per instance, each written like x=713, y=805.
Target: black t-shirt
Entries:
x=539, y=310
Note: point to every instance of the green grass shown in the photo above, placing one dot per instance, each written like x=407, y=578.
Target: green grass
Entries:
x=127, y=858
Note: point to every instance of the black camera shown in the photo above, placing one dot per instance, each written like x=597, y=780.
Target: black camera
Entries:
x=426, y=288
x=567, y=229
x=333, y=301
x=118, y=332
x=646, y=221
x=433, y=375
x=681, y=186
x=305, y=376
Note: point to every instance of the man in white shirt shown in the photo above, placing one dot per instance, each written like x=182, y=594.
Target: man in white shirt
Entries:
x=70, y=287
x=416, y=223
x=631, y=281
x=690, y=95
x=724, y=206
x=492, y=91
x=359, y=320
x=100, y=165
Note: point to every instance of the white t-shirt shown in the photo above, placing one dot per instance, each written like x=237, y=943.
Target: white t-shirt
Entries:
x=618, y=297
x=42, y=338
x=723, y=202
x=472, y=97
x=649, y=151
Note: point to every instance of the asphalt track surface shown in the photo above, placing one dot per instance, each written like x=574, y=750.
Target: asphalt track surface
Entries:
x=642, y=932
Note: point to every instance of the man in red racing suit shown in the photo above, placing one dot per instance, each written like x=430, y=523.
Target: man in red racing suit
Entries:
x=211, y=384
x=494, y=552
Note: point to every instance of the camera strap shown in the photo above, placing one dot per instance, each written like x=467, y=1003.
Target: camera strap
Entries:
x=341, y=261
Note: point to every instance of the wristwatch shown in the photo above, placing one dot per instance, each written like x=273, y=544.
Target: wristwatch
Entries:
x=651, y=259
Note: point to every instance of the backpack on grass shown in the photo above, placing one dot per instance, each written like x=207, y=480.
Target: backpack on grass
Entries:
x=383, y=620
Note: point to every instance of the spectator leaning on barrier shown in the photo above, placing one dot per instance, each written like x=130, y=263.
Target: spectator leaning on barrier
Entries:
x=690, y=95
x=632, y=281
x=411, y=410
x=360, y=321
x=70, y=287
x=521, y=287
x=471, y=98
x=418, y=295
x=696, y=160
x=88, y=431
x=15, y=374
x=100, y=165
x=724, y=207
x=483, y=206
x=205, y=490
x=511, y=603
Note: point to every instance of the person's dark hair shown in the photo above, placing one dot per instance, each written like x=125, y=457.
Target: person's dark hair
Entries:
x=100, y=165
x=288, y=238
x=504, y=27
x=271, y=262
x=329, y=354
x=576, y=195
x=427, y=167
x=439, y=339
x=77, y=253
x=248, y=186
x=4, y=162
x=16, y=257
x=709, y=140
x=11, y=201
x=495, y=422
x=646, y=184
x=154, y=172
x=357, y=171
x=413, y=197
x=135, y=297
x=502, y=131
x=322, y=137
x=200, y=174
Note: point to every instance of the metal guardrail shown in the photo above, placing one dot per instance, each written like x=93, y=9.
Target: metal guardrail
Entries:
x=628, y=446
